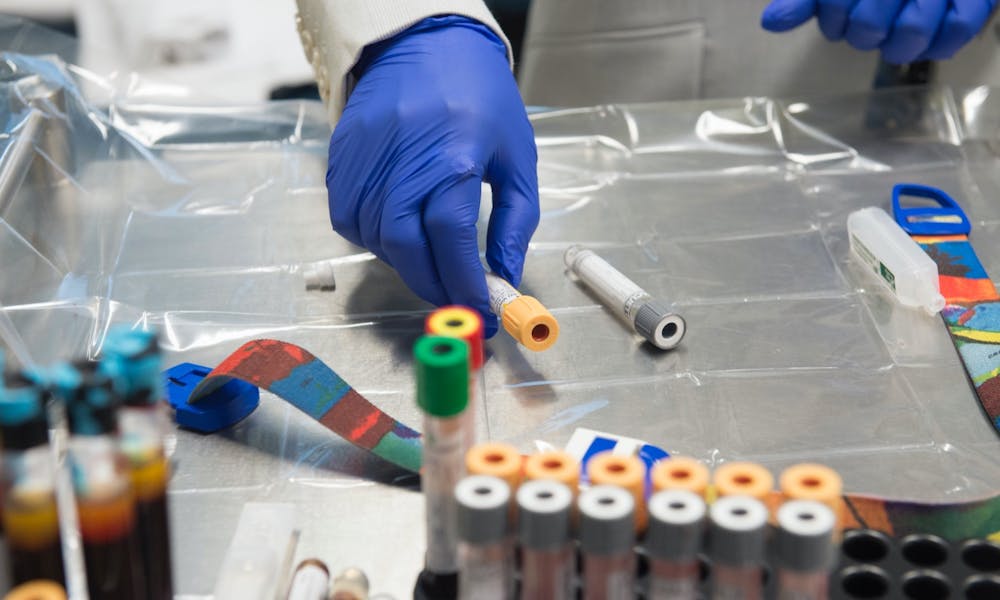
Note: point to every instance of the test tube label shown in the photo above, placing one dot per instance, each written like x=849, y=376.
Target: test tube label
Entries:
x=585, y=443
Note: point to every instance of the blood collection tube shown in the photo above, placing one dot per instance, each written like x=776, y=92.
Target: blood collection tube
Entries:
x=311, y=581
x=350, y=584
x=442, y=366
x=607, y=536
x=624, y=471
x=465, y=324
x=743, y=479
x=680, y=473
x=30, y=516
x=807, y=481
x=524, y=317
x=652, y=319
x=676, y=522
x=37, y=590
x=805, y=549
x=102, y=484
x=486, y=552
x=132, y=359
x=546, y=549
x=737, y=529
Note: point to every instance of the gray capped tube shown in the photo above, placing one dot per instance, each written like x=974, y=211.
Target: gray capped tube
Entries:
x=805, y=535
x=606, y=520
x=544, y=514
x=652, y=319
x=676, y=522
x=737, y=529
x=483, y=502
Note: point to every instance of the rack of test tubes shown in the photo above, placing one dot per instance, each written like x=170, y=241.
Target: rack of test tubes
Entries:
x=528, y=528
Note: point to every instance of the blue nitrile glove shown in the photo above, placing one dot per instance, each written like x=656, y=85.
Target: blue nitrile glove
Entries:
x=905, y=30
x=436, y=113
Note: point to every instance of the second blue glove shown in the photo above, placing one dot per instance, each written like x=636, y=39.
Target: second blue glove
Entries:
x=905, y=30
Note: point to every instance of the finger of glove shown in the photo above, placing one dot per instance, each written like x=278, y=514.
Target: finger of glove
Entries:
x=962, y=22
x=514, y=179
x=405, y=244
x=870, y=22
x=450, y=217
x=782, y=15
x=832, y=16
x=914, y=30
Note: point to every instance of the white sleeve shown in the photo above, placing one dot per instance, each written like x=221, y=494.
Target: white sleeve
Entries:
x=333, y=33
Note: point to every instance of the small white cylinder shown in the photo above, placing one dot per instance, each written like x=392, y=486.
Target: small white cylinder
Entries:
x=898, y=262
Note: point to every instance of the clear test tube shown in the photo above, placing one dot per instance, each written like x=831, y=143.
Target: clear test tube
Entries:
x=607, y=537
x=676, y=523
x=806, y=549
x=442, y=369
x=132, y=360
x=523, y=317
x=680, y=473
x=466, y=324
x=350, y=584
x=649, y=318
x=311, y=581
x=102, y=485
x=547, y=555
x=625, y=471
x=737, y=535
x=486, y=552
x=30, y=515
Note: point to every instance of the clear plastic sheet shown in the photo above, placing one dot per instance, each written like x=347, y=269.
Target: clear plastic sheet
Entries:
x=200, y=223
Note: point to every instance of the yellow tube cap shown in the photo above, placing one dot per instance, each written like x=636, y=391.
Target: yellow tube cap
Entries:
x=530, y=323
x=680, y=473
x=744, y=479
x=37, y=590
x=555, y=465
x=498, y=460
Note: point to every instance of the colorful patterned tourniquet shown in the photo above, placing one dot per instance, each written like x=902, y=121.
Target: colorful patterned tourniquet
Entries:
x=304, y=381
x=972, y=314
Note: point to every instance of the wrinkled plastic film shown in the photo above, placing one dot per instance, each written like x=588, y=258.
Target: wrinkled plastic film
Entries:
x=200, y=223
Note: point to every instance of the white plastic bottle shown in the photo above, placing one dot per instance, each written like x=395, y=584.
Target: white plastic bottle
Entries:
x=879, y=243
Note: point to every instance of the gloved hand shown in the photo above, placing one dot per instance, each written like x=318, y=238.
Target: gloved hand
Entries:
x=436, y=112
x=905, y=30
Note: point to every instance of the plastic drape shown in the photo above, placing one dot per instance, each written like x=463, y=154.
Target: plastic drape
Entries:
x=200, y=222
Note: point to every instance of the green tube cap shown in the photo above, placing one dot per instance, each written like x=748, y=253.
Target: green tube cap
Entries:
x=442, y=375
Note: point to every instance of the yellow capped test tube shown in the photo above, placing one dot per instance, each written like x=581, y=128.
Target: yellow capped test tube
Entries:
x=743, y=479
x=680, y=473
x=524, y=317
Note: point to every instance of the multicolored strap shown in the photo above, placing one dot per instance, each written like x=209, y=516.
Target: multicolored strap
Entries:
x=956, y=521
x=301, y=379
x=972, y=314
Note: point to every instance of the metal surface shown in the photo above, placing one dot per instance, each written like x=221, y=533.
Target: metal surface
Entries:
x=198, y=222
